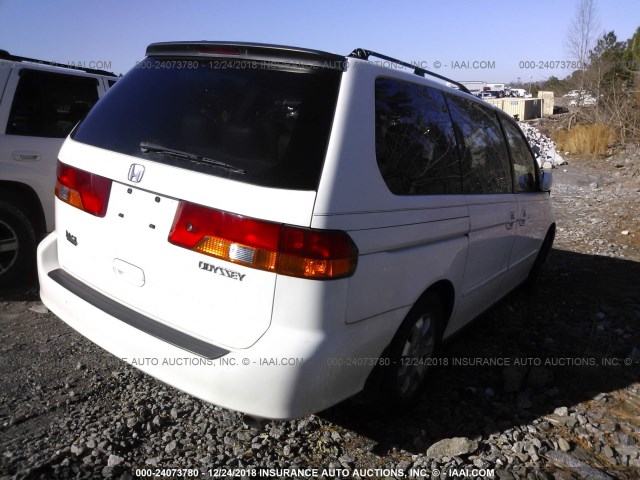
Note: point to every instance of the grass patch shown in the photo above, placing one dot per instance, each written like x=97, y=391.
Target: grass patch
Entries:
x=586, y=139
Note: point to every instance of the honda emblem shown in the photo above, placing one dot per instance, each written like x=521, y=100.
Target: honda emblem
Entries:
x=136, y=171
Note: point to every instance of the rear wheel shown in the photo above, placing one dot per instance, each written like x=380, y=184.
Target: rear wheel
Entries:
x=413, y=345
x=17, y=244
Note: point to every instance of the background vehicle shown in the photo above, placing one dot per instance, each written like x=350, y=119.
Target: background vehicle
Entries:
x=519, y=92
x=40, y=102
x=324, y=211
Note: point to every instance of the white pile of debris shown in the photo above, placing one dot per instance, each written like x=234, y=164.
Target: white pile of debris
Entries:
x=543, y=147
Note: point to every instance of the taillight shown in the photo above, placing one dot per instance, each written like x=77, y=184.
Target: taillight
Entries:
x=83, y=190
x=283, y=249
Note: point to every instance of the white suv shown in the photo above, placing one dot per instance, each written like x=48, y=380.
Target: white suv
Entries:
x=40, y=102
x=271, y=228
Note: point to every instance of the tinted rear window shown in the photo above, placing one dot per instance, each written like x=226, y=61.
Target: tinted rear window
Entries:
x=272, y=123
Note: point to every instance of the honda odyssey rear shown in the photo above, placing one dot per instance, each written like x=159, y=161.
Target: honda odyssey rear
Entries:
x=220, y=214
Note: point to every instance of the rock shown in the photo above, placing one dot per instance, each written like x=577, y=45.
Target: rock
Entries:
x=608, y=451
x=556, y=420
x=563, y=445
x=108, y=472
x=601, y=397
x=171, y=446
x=452, y=447
x=580, y=468
x=39, y=308
x=626, y=439
x=631, y=450
x=561, y=411
x=276, y=432
x=571, y=422
x=543, y=147
x=114, y=460
x=77, y=449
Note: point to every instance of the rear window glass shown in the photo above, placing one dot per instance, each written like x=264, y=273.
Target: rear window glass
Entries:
x=272, y=123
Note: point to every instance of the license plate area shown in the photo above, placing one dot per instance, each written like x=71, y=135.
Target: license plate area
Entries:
x=140, y=211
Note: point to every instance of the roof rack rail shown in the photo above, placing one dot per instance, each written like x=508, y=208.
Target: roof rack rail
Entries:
x=4, y=55
x=365, y=54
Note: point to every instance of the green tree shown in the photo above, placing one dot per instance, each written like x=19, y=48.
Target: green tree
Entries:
x=606, y=59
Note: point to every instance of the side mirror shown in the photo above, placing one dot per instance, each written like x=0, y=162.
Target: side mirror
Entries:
x=546, y=181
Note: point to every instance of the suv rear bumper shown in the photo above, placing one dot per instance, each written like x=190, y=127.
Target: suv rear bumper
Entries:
x=288, y=373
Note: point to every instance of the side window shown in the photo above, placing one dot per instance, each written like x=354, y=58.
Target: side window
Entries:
x=485, y=160
x=415, y=143
x=523, y=162
x=50, y=104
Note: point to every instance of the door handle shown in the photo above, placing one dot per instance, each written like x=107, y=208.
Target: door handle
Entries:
x=25, y=156
x=523, y=218
x=512, y=220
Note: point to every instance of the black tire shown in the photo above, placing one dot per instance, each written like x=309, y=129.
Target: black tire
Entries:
x=17, y=244
x=417, y=339
x=532, y=280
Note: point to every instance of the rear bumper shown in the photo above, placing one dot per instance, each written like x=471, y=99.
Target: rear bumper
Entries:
x=288, y=373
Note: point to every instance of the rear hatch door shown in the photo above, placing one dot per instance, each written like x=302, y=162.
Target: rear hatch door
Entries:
x=179, y=131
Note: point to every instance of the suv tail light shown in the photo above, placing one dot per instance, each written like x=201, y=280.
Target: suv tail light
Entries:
x=278, y=248
x=83, y=190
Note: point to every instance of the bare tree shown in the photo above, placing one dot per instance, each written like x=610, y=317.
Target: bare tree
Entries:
x=582, y=35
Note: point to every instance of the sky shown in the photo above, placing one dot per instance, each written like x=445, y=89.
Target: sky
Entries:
x=495, y=41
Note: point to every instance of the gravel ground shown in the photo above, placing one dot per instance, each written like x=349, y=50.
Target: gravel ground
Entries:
x=542, y=386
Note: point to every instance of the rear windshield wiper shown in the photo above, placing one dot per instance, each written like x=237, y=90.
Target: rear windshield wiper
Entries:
x=147, y=147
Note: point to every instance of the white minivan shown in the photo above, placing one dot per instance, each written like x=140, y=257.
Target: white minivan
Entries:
x=273, y=229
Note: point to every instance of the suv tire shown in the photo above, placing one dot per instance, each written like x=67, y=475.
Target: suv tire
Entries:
x=17, y=243
x=417, y=340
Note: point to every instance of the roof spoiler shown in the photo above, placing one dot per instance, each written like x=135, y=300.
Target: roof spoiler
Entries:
x=278, y=55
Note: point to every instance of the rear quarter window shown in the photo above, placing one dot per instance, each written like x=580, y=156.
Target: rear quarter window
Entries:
x=415, y=142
